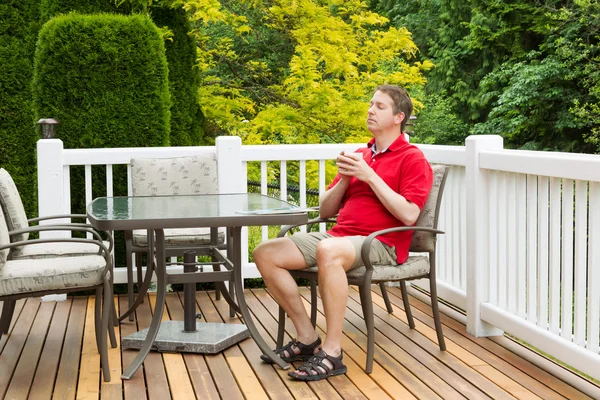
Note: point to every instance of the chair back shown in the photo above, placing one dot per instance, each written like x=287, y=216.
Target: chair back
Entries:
x=174, y=176
x=12, y=206
x=425, y=241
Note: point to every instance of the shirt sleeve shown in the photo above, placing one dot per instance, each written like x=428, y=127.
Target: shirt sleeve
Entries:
x=416, y=180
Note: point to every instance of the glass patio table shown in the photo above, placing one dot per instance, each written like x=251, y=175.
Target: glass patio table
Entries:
x=158, y=213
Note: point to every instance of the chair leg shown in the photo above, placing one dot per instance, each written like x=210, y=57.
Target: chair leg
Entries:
x=129, y=263
x=138, y=267
x=367, y=305
x=409, y=316
x=98, y=316
x=313, y=302
x=113, y=320
x=386, y=298
x=436, y=314
x=104, y=323
x=8, y=308
x=280, y=328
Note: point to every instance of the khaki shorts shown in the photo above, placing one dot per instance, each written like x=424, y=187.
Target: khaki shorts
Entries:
x=381, y=253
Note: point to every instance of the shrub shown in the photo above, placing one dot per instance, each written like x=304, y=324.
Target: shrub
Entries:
x=19, y=27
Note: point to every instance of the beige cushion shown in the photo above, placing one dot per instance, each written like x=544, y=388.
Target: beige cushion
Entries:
x=181, y=237
x=174, y=176
x=424, y=241
x=33, y=275
x=414, y=266
x=4, y=239
x=50, y=250
x=12, y=206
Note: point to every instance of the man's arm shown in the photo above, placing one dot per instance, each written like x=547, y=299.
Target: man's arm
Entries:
x=330, y=202
x=353, y=165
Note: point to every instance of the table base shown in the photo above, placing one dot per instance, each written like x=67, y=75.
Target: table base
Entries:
x=209, y=338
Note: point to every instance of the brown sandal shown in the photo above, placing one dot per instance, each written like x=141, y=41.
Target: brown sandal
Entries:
x=306, y=351
x=316, y=369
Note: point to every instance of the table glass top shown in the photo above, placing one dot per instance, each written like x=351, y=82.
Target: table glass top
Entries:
x=181, y=207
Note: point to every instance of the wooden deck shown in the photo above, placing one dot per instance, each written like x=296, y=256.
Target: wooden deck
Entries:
x=51, y=353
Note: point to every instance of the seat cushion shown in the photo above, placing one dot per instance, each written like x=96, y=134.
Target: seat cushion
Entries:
x=34, y=275
x=413, y=267
x=50, y=250
x=12, y=206
x=181, y=237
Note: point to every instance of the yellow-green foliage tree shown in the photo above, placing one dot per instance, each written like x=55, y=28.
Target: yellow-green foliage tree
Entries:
x=337, y=53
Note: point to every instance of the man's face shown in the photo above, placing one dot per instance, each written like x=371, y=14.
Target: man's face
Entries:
x=381, y=117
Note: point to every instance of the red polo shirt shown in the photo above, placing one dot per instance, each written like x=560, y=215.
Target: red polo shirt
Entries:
x=406, y=170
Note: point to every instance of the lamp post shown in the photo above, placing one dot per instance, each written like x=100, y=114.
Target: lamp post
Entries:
x=48, y=127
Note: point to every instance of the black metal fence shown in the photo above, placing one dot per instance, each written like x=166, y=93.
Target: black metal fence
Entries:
x=293, y=193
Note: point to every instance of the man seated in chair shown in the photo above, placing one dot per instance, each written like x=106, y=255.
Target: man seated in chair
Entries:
x=380, y=186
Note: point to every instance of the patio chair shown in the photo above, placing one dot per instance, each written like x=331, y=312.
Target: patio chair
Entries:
x=415, y=267
x=16, y=221
x=33, y=277
x=171, y=176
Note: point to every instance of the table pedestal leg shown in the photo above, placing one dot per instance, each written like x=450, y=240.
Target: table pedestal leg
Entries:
x=239, y=288
x=161, y=288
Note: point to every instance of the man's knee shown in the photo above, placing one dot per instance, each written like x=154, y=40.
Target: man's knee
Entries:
x=333, y=252
x=276, y=253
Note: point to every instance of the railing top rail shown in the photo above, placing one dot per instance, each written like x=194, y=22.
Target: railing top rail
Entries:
x=123, y=155
x=553, y=164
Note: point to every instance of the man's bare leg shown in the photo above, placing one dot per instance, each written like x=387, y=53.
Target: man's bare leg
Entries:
x=273, y=259
x=334, y=256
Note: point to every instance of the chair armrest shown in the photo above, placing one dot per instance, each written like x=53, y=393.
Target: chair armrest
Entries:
x=70, y=227
x=83, y=216
x=286, y=228
x=365, y=250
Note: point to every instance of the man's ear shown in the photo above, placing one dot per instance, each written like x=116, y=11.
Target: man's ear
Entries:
x=398, y=118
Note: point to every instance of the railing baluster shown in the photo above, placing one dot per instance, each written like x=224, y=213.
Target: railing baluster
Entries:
x=493, y=213
x=521, y=194
x=88, y=189
x=543, y=222
x=502, y=238
x=554, y=255
x=532, y=224
x=511, y=244
x=302, y=185
x=567, y=260
x=581, y=227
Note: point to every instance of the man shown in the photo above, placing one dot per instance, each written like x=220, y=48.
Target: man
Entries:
x=383, y=185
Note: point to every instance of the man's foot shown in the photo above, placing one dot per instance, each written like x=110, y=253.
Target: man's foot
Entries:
x=320, y=366
x=294, y=351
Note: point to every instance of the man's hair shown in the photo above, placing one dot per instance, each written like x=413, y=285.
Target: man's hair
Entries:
x=402, y=102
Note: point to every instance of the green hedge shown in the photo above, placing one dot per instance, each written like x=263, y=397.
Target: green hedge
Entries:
x=105, y=78
x=184, y=78
x=19, y=26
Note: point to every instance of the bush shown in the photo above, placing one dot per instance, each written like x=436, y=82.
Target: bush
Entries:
x=19, y=27
x=184, y=77
x=105, y=77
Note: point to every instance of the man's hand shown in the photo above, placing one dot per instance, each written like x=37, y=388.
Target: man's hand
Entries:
x=353, y=165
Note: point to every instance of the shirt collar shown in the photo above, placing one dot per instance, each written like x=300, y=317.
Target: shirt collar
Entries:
x=397, y=144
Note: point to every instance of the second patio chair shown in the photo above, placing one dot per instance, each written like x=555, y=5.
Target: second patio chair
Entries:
x=415, y=267
x=171, y=176
x=34, y=277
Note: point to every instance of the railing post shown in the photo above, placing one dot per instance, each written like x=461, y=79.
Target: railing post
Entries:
x=50, y=190
x=50, y=183
x=229, y=165
x=478, y=234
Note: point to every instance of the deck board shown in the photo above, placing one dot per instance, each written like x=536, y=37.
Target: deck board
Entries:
x=51, y=352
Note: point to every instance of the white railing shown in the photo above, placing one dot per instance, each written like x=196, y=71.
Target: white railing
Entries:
x=522, y=228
